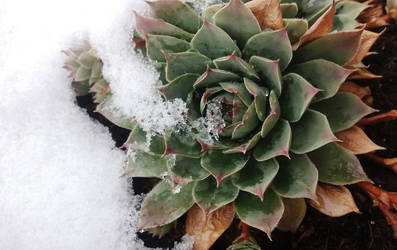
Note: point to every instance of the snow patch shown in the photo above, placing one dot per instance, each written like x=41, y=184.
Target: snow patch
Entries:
x=59, y=182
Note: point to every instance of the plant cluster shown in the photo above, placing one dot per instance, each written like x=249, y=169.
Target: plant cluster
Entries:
x=262, y=83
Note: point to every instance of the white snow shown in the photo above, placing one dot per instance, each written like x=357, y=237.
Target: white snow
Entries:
x=59, y=170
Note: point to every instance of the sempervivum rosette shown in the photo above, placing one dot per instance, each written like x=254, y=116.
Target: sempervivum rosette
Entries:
x=86, y=69
x=260, y=80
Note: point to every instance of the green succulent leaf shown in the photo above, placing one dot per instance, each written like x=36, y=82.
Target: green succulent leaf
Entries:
x=222, y=165
x=262, y=214
x=155, y=44
x=269, y=72
x=344, y=22
x=210, y=12
x=237, y=13
x=337, y=166
x=180, y=87
x=346, y=13
x=296, y=178
x=193, y=106
x=247, y=125
x=238, y=89
x=296, y=96
x=273, y=115
x=237, y=65
x=82, y=74
x=86, y=60
x=294, y=212
x=322, y=74
x=289, y=10
x=147, y=25
x=343, y=110
x=312, y=10
x=275, y=143
x=213, y=42
x=138, y=140
x=239, y=109
x=114, y=115
x=209, y=196
x=272, y=45
x=182, y=144
x=185, y=62
x=96, y=69
x=161, y=206
x=245, y=147
x=228, y=130
x=177, y=13
x=81, y=88
x=207, y=94
x=185, y=170
x=211, y=77
x=339, y=47
x=256, y=176
x=296, y=28
x=350, y=8
x=142, y=164
x=260, y=97
x=311, y=132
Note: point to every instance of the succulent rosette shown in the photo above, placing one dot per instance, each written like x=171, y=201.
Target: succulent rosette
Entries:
x=86, y=69
x=261, y=82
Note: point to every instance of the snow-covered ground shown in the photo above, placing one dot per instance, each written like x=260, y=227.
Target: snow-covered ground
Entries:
x=59, y=170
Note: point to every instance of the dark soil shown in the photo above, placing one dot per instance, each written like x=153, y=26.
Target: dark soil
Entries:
x=368, y=230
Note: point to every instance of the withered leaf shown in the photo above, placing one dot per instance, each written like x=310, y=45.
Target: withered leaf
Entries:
x=267, y=12
x=322, y=26
x=334, y=201
x=207, y=230
x=356, y=141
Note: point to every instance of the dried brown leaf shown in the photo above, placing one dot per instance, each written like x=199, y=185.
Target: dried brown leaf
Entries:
x=363, y=93
x=267, y=12
x=207, y=230
x=322, y=26
x=355, y=89
x=356, y=141
x=363, y=74
x=334, y=201
x=374, y=16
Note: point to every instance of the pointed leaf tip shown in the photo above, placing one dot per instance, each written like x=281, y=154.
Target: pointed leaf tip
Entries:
x=213, y=42
x=270, y=44
x=334, y=201
x=296, y=178
x=222, y=165
x=322, y=26
x=237, y=12
x=337, y=166
x=177, y=13
x=356, y=141
x=161, y=206
x=147, y=25
x=211, y=195
x=263, y=215
x=256, y=176
x=312, y=131
x=343, y=110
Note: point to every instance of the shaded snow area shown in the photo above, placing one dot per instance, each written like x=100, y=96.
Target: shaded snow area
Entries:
x=59, y=170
